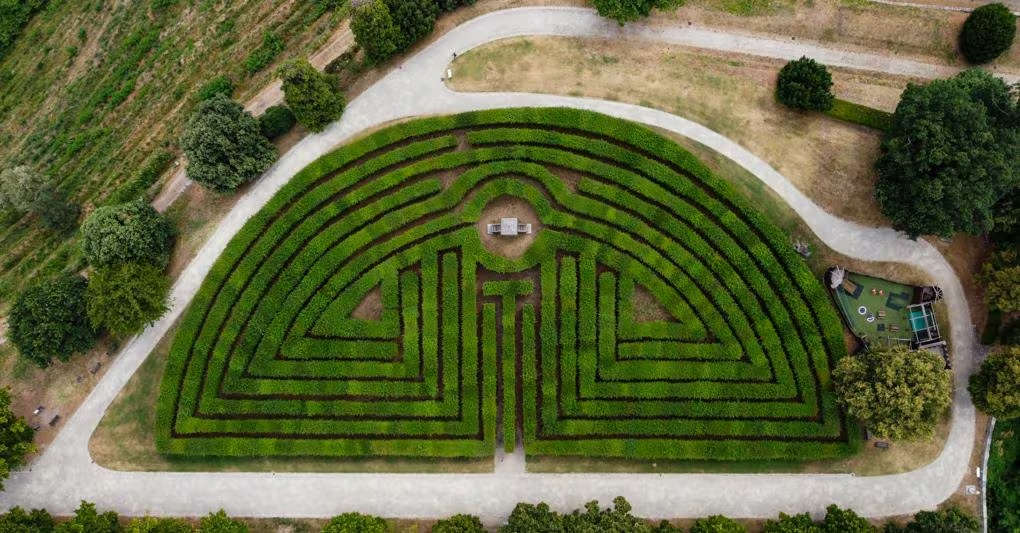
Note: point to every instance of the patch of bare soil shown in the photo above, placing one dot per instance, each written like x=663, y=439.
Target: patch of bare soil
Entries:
x=647, y=308
x=370, y=307
x=508, y=207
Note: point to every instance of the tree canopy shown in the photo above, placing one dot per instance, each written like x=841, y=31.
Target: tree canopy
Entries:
x=461, y=523
x=87, y=519
x=413, y=19
x=224, y=145
x=17, y=520
x=311, y=95
x=15, y=440
x=276, y=121
x=951, y=153
x=995, y=387
x=624, y=11
x=355, y=523
x=374, y=31
x=717, y=524
x=20, y=188
x=48, y=320
x=125, y=297
x=130, y=232
x=219, y=522
x=805, y=84
x=1001, y=278
x=987, y=33
x=897, y=393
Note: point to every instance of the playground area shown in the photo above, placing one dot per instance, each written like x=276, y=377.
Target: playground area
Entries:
x=879, y=311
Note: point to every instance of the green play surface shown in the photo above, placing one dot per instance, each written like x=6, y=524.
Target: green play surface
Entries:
x=877, y=309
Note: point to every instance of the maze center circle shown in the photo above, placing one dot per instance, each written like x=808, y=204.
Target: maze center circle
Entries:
x=480, y=340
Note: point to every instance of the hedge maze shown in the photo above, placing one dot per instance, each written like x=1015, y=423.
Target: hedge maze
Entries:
x=470, y=348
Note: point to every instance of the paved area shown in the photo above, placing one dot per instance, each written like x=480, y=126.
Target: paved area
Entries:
x=64, y=474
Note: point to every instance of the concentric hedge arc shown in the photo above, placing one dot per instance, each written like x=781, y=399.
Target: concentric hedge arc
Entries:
x=471, y=347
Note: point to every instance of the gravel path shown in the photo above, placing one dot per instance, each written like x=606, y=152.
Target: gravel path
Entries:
x=64, y=474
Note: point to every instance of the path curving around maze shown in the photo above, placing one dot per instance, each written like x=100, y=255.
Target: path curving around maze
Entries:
x=64, y=474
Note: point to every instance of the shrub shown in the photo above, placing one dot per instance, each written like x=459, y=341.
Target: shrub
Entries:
x=461, y=523
x=717, y=524
x=218, y=85
x=48, y=320
x=528, y=518
x=20, y=188
x=798, y=523
x=18, y=521
x=949, y=520
x=14, y=15
x=805, y=84
x=355, y=523
x=898, y=393
x=219, y=522
x=311, y=95
x=995, y=388
x=375, y=32
x=276, y=121
x=124, y=298
x=262, y=56
x=845, y=521
x=987, y=33
x=414, y=19
x=131, y=232
x=86, y=518
x=630, y=10
x=1001, y=278
x=136, y=187
x=860, y=114
x=949, y=155
x=151, y=524
x=224, y=145
x=15, y=444
x=57, y=213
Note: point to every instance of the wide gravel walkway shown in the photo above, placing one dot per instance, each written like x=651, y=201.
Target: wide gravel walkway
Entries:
x=65, y=474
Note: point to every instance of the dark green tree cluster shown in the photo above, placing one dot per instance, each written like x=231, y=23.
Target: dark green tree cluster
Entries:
x=312, y=96
x=15, y=440
x=355, y=523
x=218, y=85
x=1001, y=277
x=995, y=387
x=623, y=11
x=276, y=121
x=87, y=519
x=225, y=146
x=48, y=320
x=24, y=190
x=836, y=521
x=951, y=155
x=14, y=15
x=386, y=27
x=987, y=33
x=805, y=84
x=129, y=232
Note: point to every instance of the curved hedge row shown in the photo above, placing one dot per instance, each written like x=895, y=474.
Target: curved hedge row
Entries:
x=472, y=348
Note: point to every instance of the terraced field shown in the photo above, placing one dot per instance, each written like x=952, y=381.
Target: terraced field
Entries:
x=467, y=344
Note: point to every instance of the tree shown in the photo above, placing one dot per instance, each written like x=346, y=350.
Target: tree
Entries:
x=56, y=212
x=276, y=121
x=311, y=95
x=374, y=31
x=460, y=523
x=844, y=521
x=995, y=388
x=623, y=11
x=125, y=297
x=528, y=518
x=1001, y=278
x=219, y=522
x=949, y=520
x=617, y=518
x=130, y=232
x=413, y=19
x=18, y=521
x=15, y=439
x=717, y=524
x=898, y=393
x=224, y=145
x=87, y=520
x=450, y=5
x=151, y=524
x=805, y=84
x=987, y=33
x=355, y=523
x=218, y=85
x=951, y=153
x=1011, y=333
x=1006, y=220
x=20, y=188
x=798, y=523
x=48, y=320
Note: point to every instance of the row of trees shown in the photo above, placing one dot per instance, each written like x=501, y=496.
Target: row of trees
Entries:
x=383, y=28
x=525, y=518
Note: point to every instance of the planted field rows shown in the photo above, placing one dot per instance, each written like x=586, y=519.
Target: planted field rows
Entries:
x=468, y=346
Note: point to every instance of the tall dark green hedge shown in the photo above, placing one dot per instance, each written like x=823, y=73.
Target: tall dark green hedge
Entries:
x=987, y=33
x=623, y=11
x=48, y=320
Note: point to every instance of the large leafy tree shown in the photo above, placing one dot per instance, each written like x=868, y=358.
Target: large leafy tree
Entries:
x=898, y=393
x=527, y=518
x=48, y=320
x=17, y=520
x=1001, y=278
x=460, y=523
x=87, y=520
x=151, y=524
x=355, y=523
x=127, y=232
x=20, y=188
x=414, y=19
x=310, y=94
x=839, y=520
x=594, y=518
x=948, y=520
x=995, y=388
x=952, y=152
x=798, y=523
x=623, y=11
x=126, y=297
x=15, y=441
x=987, y=33
x=225, y=146
x=717, y=524
x=219, y=522
x=374, y=31
x=805, y=84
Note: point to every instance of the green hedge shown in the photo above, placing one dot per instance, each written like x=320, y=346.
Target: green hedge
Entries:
x=269, y=361
x=860, y=114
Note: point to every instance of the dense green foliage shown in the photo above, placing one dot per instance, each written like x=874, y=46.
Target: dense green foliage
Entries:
x=151, y=524
x=717, y=524
x=805, y=84
x=17, y=520
x=219, y=522
x=948, y=520
x=987, y=33
x=623, y=11
x=375, y=32
x=355, y=523
x=87, y=519
x=262, y=56
x=14, y=15
x=1003, y=490
x=414, y=19
x=1001, y=278
x=312, y=96
x=897, y=393
x=225, y=146
x=125, y=297
x=995, y=387
x=860, y=114
x=15, y=440
x=276, y=121
x=136, y=187
x=461, y=523
x=23, y=190
x=218, y=85
x=951, y=153
x=750, y=327
x=131, y=232
x=48, y=320
x=450, y=5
